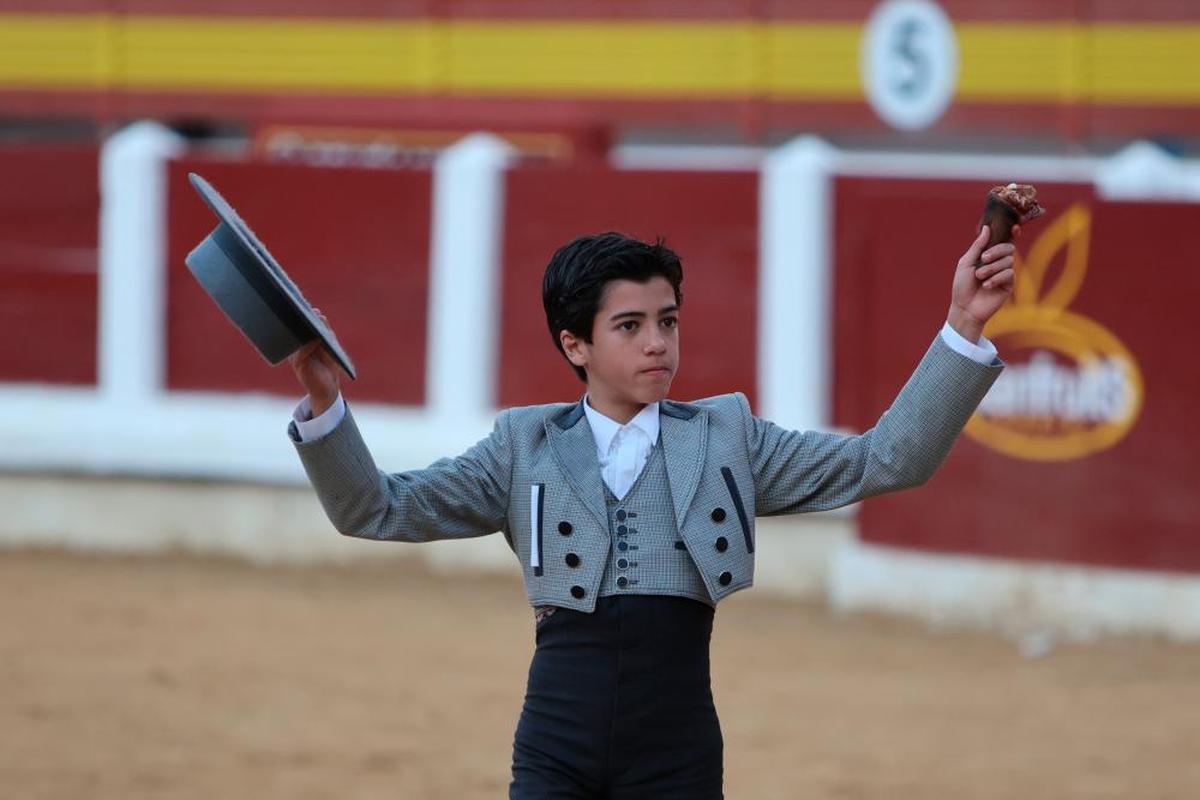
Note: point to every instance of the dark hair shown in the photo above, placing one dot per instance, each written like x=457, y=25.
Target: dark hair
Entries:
x=578, y=273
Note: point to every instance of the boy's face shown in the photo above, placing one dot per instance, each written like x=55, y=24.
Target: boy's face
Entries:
x=634, y=351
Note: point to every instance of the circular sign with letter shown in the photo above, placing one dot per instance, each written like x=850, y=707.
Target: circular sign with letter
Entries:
x=909, y=62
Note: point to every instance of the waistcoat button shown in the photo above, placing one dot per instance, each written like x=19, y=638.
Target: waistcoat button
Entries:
x=622, y=582
x=725, y=579
x=621, y=515
x=572, y=560
x=722, y=544
x=565, y=528
x=718, y=515
x=577, y=592
x=622, y=563
x=622, y=530
x=622, y=546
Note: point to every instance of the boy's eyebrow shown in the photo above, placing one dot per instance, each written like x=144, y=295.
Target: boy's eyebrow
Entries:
x=639, y=314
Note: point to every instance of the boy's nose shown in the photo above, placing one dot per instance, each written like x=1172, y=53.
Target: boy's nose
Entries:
x=657, y=343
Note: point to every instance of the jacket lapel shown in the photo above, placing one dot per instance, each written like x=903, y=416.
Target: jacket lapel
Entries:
x=574, y=448
x=684, y=442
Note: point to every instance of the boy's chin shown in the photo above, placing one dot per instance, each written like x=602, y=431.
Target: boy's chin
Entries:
x=649, y=395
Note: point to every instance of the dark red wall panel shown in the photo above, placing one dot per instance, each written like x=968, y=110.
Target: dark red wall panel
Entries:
x=709, y=218
x=49, y=219
x=1013, y=487
x=356, y=241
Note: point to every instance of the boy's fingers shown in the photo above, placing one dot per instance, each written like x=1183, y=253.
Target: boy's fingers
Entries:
x=976, y=248
x=327, y=357
x=1000, y=250
x=305, y=351
x=999, y=281
x=994, y=267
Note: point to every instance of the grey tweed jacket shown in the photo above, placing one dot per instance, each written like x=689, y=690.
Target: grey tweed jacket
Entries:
x=538, y=469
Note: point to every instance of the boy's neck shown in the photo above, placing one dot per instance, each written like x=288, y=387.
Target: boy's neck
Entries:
x=620, y=412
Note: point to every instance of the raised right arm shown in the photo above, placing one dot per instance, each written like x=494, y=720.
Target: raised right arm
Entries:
x=453, y=498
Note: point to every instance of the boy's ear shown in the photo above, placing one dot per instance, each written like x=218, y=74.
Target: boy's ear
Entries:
x=573, y=346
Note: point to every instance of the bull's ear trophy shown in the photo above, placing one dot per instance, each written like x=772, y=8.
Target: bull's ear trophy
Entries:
x=1072, y=387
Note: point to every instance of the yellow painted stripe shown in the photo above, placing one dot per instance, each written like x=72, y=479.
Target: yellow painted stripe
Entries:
x=812, y=60
x=1145, y=64
x=603, y=58
x=285, y=54
x=999, y=62
x=1020, y=62
x=1100, y=63
x=54, y=52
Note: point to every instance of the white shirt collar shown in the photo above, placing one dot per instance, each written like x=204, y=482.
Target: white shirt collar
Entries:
x=605, y=429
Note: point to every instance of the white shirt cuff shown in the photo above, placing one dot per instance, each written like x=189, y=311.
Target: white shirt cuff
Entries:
x=311, y=428
x=984, y=352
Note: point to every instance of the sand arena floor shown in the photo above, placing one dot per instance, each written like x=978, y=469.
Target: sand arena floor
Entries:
x=180, y=677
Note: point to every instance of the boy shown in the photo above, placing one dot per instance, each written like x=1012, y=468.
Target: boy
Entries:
x=632, y=515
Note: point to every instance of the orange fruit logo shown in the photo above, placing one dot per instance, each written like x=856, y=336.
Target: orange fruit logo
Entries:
x=1080, y=390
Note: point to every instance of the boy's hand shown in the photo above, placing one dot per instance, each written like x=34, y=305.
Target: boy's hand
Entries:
x=983, y=281
x=317, y=372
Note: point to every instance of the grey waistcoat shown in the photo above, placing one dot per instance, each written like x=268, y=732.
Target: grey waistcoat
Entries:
x=647, y=555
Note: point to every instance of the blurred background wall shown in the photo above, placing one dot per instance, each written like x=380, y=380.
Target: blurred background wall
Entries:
x=819, y=165
x=1025, y=73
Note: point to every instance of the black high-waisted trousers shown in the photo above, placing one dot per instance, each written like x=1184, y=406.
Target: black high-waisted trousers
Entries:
x=619, y=705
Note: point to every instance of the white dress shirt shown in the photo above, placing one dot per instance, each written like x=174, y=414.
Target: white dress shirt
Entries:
x=623, y=449
x=311, y=427
x=984, y=352
x=620, y=466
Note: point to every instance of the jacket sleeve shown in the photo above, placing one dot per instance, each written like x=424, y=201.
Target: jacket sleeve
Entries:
x=453, y=498
x=798, y=471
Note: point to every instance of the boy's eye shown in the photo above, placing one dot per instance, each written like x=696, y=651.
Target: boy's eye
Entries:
x=628, y=325
x=670, y=322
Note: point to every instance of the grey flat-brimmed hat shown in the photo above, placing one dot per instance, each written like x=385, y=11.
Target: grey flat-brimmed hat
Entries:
x=248, y=284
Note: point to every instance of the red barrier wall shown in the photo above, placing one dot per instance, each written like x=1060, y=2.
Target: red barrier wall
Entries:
x=709, y=218
x=355, y=240
x=49, y=219
x=1085, y=451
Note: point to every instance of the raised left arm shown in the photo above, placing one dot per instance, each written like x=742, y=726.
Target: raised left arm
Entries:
x=796, y=471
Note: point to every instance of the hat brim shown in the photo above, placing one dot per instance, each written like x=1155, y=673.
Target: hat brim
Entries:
x=252, y=289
